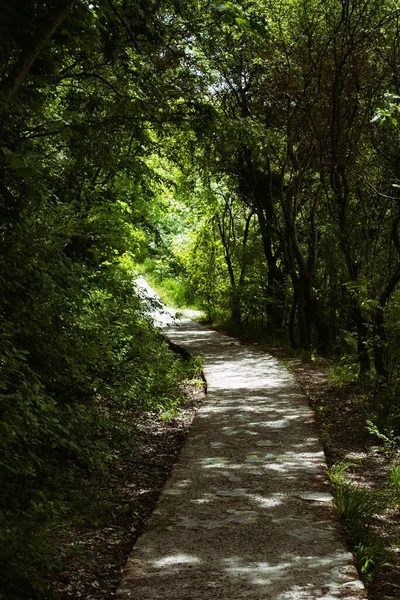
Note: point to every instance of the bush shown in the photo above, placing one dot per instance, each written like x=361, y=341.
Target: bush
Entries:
x=65, y=397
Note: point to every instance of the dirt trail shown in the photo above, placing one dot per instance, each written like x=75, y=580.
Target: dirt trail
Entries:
x=247, y=512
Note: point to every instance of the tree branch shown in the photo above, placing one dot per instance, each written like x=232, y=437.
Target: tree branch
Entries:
x=10, y=86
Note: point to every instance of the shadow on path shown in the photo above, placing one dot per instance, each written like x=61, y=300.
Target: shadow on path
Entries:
x=247, y=511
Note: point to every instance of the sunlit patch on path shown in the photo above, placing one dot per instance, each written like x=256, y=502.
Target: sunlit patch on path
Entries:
x=247, y=512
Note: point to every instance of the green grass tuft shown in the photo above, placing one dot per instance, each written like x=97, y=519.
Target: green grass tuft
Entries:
x=358, y=508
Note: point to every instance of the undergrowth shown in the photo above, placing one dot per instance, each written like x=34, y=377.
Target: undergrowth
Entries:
x=175, y=290
x=359, y=507
x=67, y=395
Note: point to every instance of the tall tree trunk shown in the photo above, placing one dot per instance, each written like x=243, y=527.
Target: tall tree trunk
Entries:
x=379, y=344
x=362, y=336
x=323, y=329
x=276, y=278
x=379, y=321
x=257, y=187
x=305, y=315
x=276, y=297
x=292, y=321
x=304, y=341
x=235, y=300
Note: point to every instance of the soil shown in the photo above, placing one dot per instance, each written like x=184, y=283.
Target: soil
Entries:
x=91, y=555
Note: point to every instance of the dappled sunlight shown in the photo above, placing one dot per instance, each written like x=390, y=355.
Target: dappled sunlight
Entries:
x=257, y=573
x=265, y=502
x=247, y=511
x=177, y=559
x=241, y=575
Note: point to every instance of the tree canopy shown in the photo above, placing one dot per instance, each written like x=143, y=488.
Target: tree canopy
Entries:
x=247, y=153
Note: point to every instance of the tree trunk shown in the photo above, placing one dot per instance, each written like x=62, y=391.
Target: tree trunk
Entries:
x=305, y=320
x=379, y=343
x=362, y=336
x=10, y=86
x=276, y=298
x=323, y=331
x=292, y=319
x=276, y=279
x=236, y=314
x=379, y=323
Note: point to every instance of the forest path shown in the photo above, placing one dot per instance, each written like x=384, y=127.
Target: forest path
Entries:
x=247, y=511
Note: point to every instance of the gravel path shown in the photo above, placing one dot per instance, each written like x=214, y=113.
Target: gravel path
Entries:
x=247, y=512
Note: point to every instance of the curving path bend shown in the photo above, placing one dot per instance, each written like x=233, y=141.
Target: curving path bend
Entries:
x=247, y=512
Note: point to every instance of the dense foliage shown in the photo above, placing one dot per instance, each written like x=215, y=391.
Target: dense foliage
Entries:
x=294, y=173
x=246, y=153
x=80, y=86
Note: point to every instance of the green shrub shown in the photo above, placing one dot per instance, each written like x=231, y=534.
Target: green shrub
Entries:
x=67, y=391
x=358, y=507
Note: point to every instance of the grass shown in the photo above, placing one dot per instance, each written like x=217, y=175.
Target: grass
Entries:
x=174, y=291
x=394, y=477
x=359, y=507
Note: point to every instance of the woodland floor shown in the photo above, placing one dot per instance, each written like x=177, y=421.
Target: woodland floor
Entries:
x=91, y=556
